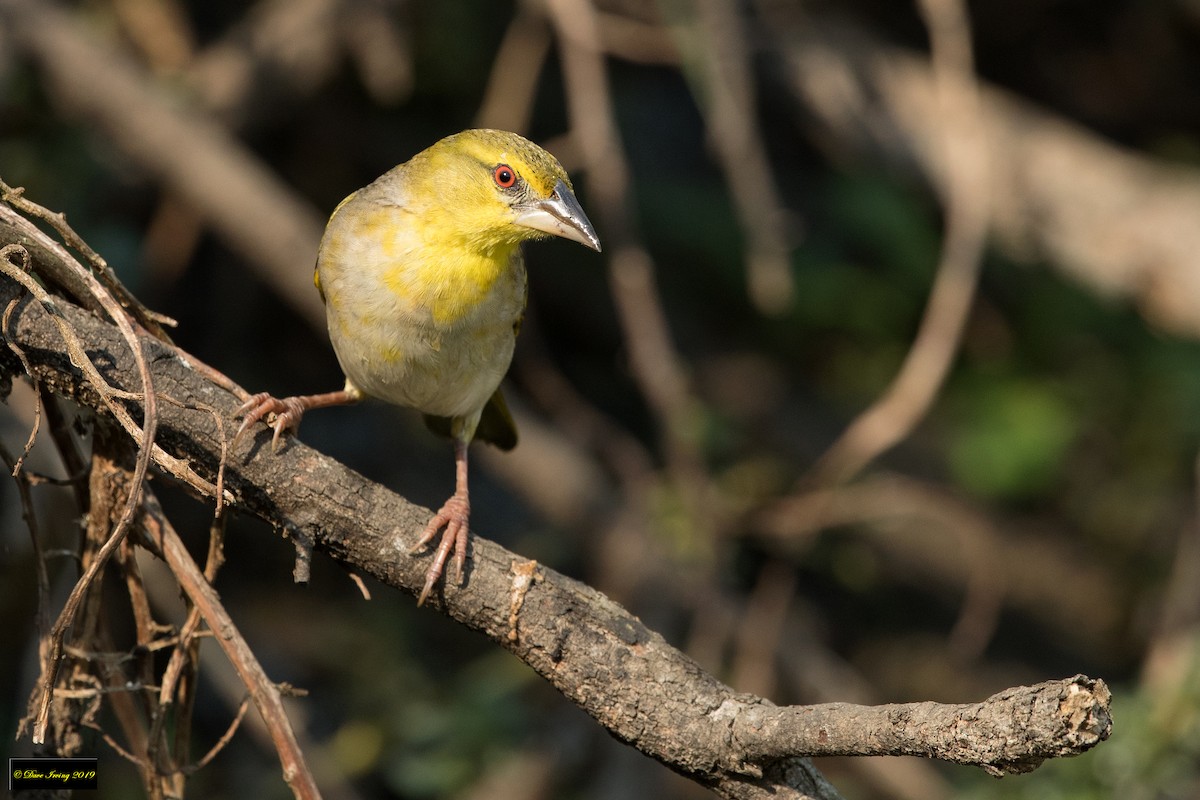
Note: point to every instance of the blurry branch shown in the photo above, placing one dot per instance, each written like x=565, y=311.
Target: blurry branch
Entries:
x=278, y=54
x=636, y=40
x=525, y=775
x=1171, y=652
x=512, y=82
x=379, y=48
x=656, y=364
x=657, y=368
x=185, y=151
x=294, y=47
x=927, y=535
x=278, y=46
x=159, y=29
x=960, y=141
x=819, y=674
x=717, y=56
x=627, y=677
x=586, y=474
x=1119, y=222
x=759, y=630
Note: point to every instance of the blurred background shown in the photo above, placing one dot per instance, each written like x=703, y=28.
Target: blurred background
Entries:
x=884, y=389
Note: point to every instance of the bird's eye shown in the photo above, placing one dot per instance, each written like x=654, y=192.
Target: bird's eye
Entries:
x=504, y=176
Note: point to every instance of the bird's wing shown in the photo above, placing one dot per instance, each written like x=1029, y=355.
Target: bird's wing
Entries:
x=496, y=425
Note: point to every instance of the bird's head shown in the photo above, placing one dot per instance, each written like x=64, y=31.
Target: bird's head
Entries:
x=497, y=189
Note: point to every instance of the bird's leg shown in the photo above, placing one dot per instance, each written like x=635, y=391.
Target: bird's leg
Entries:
x=289, y=410
x=452, y=516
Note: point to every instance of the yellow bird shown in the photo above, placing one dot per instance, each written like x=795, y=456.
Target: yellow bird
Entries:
x=424, y=288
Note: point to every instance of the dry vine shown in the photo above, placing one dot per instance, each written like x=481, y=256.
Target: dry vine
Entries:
x=126, y=489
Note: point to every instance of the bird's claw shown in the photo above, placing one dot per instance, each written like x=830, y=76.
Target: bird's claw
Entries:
x=451, y=519
x=287, y=413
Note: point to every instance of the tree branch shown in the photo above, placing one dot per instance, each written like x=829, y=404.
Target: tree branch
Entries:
x=263, y=692
x=962, y=146
x=645, y=692
x=1117, y=221
x=245, y=202
x=1011, y=732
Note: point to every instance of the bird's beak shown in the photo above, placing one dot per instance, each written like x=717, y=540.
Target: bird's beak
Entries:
x=559, y=215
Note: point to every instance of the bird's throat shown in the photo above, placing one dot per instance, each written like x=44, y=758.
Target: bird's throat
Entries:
x=456, y=283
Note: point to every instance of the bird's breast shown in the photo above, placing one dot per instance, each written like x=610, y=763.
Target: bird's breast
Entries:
x=427, y=326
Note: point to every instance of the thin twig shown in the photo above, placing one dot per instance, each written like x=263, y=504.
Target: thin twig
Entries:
x=74, y=462
x=225, y=739
x=25, y=481
x=265, y=694
x=656, y=365
x=67, y=615
x=121, y=751
x=121, y=318
x=112, y=287
x=218, y=486
x=512, y=82
x=42, y=479
x=966, y=194
x=35, y=538
x=37, y=395
x=181, y=664
x=726, y=95
x=155, y=775
x=108, y=393
x=189, y=649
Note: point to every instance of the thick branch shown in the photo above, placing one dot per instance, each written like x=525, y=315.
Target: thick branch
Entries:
x=1010, y=732
x=1117, y=221
x=627, y=677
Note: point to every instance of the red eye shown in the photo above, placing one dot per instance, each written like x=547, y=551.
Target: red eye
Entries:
x=504, y=176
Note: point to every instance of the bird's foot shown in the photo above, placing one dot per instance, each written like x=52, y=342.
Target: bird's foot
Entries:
x=287, y=413
x=451, y=519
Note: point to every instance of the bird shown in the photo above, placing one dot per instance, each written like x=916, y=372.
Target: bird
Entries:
x=424, y=285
